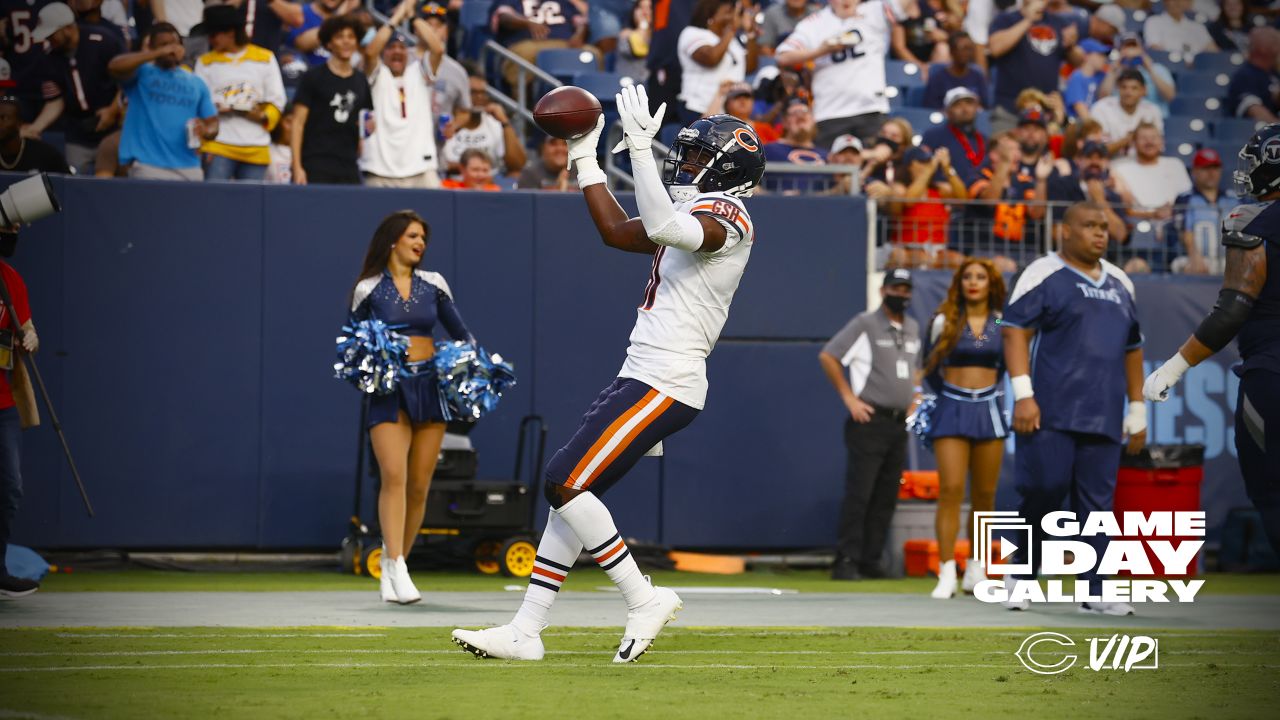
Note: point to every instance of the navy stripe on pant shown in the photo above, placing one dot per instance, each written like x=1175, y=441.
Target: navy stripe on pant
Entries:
x=626, y=420
x=1258, y=446
x=1055, y=467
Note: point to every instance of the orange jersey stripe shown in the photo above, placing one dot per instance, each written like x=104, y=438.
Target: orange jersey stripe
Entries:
x=607, y=434
x=616, y=549
x=626, y=441
x=547, y=573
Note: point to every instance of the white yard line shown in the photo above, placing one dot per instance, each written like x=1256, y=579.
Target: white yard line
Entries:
x=182, y=636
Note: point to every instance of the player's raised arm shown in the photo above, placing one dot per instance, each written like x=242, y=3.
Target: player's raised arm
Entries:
x=616, y=229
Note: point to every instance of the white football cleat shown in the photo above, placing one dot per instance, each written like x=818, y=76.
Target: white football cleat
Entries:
x=406, y=592
x=645, y=622
x=974, y=573
x=384, y=581
x=1015, y=604
x=504, y=642
x=1118, y=609
x=946, y=588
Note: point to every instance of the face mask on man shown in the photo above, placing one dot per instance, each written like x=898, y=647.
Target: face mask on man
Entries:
x=897, y=303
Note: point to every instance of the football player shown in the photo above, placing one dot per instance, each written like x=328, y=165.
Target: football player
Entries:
x=692, y=221
x=1248, y=309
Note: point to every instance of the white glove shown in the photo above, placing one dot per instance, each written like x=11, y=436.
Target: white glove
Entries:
x=582, y=155
x=637, y=123
x=30, y=341
x=1156, y=387
x=1135, y=421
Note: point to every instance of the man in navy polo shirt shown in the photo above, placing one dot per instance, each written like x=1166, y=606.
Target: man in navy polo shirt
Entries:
x=1027, y=48
x=1254, y=91
x=1074, y=353
x=968, y=146
x=78, y=59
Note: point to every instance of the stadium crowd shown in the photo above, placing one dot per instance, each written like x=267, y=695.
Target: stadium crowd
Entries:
x=969, y=121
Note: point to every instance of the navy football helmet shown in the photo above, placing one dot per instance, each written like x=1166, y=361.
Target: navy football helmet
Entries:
x=714, y=154
x=1258, y=172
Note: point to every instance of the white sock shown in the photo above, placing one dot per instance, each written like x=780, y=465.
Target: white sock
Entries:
x=593, y=525
x=557, y=551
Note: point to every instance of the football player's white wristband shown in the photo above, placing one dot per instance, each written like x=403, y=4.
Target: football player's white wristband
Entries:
x=1022, y=387
x=589, y=172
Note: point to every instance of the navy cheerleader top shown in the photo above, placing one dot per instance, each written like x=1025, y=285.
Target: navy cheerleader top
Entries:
x=985, y=350
x=429, y=302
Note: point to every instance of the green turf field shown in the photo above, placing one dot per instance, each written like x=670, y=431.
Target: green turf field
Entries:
x=583, y=578
x=693, y=673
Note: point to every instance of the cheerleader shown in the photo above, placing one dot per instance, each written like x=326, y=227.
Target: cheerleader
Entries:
x=406, y=426
x=963, y=366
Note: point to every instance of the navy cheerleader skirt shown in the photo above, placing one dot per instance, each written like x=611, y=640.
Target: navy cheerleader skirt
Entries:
x=973, y=414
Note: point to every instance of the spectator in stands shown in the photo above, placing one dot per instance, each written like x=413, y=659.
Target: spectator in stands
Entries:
x=486, y=129
x=1154, y=180
x=1121, y=113
x=967, y=145
x=977, y=23
x=170, y=109
x=528, y=27
x=401, y=149
x=1074, y=138
x=248, y=92
x=326, y=125
x=1053, y=111
x=22, y=154
x=780, y=20
x=1027, y=47
x=710, y=53
x=999, y=231
x=633, y=42
x=266, y=21
x=663, y=62
x=451, y=91
x=960, y=72
x=182, y=14
x=1090, y=180
x=881, y=168
x=1032, y=134
x=1070, y=11
x=1082, y=86
x=1231, y=30
x=846, y=42
x=305, y=37
x=776, y=89
x=738, y=99
x=1106, y=23
x=27, y=65
x=846, y=150
x=1175, y=31
x=1254, y=91
x=796, y=147
x=1161, y=86
x=477, y=172
x=916, y=37
x=89, y=12
x=921, y=216
x=78, y=65
x=280, y=171
x=550, y=171
x=17, y=410
x=1198, y=215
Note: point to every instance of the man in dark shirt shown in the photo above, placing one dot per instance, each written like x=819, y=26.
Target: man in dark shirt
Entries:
x=1254, y=91
x=20, y=154
x=78, y=58
x=326, y=119
x=1027, y=47
x=27, y=59
x=1090, y=180
x=529, y=26
x=551, y=170
x=960, y=72
x=796, y=148
x=968, y=146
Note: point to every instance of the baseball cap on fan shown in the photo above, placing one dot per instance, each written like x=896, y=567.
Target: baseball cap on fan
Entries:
x=897, y=276
x=846, y=142
x=1206, y=157
x=1112, y=15
x=434, y=9
x=956, y=94
x=53, y=17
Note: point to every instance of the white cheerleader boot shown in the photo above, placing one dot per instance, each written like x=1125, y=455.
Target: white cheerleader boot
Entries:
x=974, y=573
x=406, y=593
x=946, y=588
x=384, y=581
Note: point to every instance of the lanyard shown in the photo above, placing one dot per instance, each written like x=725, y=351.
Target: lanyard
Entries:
x=974, y=157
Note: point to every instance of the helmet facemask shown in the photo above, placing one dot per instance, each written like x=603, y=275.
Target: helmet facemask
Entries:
x=687, y=166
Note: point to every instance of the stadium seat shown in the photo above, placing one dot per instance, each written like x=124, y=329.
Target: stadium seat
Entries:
x=1171, y=60
x=565, y=63
x=902, y=74
x=1179, y=129
x=1203, y=83
x=603, y=85
x=921, y=119
x=667, y=134
x=914, y=97
x=1219, y=62
x=1197, y=105
x=474, y=21
x=983, y=122
x=1233, y=130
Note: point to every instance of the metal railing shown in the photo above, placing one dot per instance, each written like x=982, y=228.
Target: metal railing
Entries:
x=802, y=179
x=938, y=233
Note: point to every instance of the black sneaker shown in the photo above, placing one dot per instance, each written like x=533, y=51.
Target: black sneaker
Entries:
x=873, y=572
x=845, y=570
x=16, y=587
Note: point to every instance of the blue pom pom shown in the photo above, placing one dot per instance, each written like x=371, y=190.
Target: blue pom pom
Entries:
x=371, y=356
x=920, y=423
x=471, y=380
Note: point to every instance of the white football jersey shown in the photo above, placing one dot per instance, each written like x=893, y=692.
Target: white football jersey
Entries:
x=686, y=303
x=850, y=81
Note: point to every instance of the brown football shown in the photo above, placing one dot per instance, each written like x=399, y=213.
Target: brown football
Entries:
x=567, y=112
